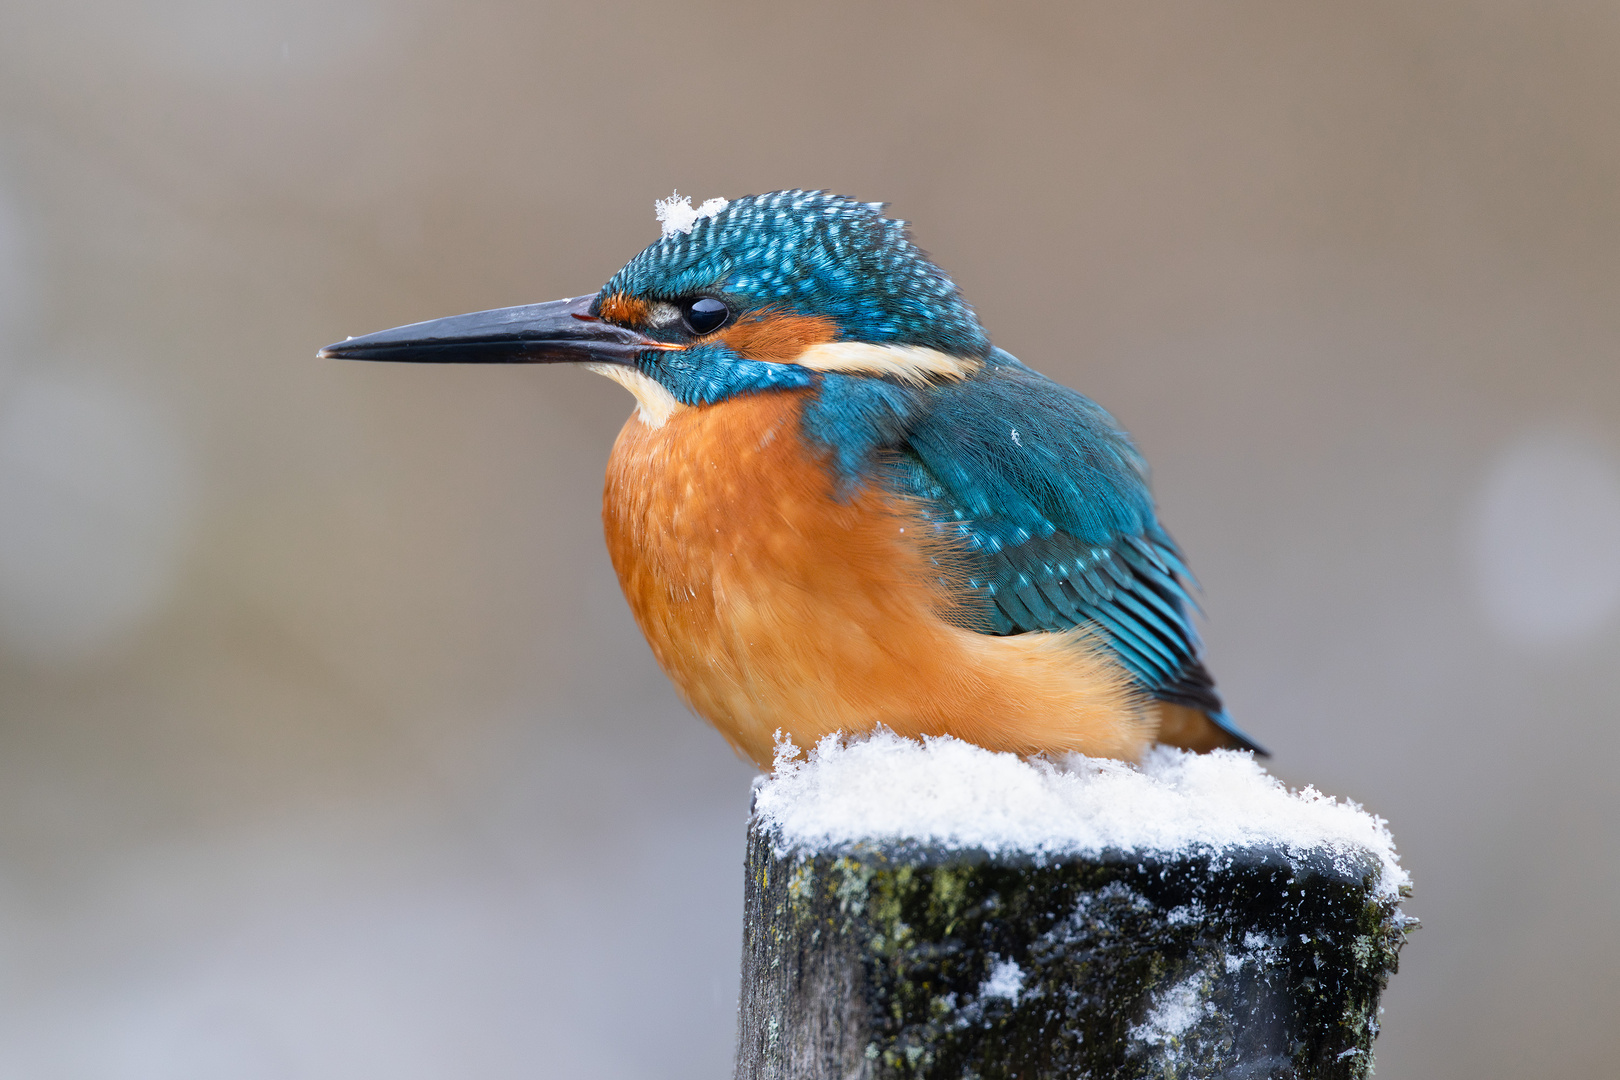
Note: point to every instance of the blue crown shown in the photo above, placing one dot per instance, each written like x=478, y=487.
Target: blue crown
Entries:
x=813, y=253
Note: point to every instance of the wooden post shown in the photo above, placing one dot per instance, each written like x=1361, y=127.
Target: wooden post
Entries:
x=895, y=958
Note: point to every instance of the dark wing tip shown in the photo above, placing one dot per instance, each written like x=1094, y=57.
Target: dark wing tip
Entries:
x=1238, y=735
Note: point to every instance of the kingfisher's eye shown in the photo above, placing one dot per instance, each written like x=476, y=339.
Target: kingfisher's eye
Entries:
x=705, y=315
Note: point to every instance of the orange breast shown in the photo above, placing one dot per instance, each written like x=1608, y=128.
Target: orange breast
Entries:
x=773, y=605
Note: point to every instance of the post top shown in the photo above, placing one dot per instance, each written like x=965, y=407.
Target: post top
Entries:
x=950, y=794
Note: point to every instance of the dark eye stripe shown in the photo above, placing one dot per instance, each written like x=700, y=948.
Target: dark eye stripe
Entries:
x=705, y=315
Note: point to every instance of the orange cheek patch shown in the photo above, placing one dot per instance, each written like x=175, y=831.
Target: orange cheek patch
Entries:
x=777, y=337
x=625, y=310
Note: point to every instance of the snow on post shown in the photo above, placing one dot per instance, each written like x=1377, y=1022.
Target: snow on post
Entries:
x=938, y=910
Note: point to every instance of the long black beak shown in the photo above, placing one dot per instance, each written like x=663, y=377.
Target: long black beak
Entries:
x=560, y=332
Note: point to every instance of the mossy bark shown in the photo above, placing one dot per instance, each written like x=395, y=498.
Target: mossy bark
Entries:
x=879, y=961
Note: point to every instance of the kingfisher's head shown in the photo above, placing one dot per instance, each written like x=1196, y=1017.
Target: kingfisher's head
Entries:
x=754, y=294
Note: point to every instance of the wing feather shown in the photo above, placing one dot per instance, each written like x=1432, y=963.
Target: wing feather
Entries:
x=1052, y=504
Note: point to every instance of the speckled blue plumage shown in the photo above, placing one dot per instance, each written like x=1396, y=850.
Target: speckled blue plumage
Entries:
x=813, y=252
x=1046, y=494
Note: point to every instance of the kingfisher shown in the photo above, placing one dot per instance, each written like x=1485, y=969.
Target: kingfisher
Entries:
x=837, y=505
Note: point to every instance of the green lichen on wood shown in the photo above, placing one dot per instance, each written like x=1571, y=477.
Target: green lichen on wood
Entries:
x=1254, y=963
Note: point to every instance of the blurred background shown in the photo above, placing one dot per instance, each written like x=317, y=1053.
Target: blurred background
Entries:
x=327, y=745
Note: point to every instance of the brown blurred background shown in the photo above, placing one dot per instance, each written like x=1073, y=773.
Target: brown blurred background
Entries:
x=328, y=748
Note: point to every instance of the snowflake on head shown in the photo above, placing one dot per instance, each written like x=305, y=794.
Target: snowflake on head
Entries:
x=676, y=213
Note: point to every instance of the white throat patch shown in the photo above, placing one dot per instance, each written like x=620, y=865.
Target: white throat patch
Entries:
x=654, y=404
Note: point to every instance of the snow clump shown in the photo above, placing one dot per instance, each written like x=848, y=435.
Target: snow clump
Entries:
x=953, y=794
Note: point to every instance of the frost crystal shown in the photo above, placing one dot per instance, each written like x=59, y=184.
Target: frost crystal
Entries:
x=1174, y=1013
x=1006, y=981
x=675, y=214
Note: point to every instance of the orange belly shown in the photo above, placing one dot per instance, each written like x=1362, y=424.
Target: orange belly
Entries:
x=773, y=605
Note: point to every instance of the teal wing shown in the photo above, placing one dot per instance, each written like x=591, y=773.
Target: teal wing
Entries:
x=1052, y=506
